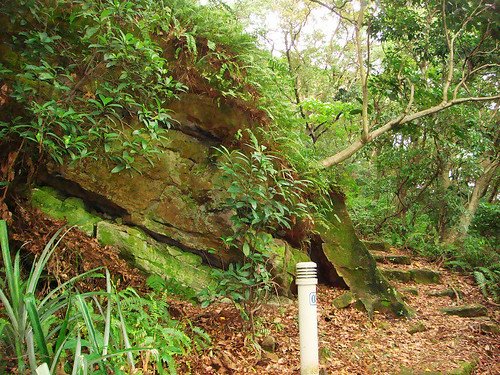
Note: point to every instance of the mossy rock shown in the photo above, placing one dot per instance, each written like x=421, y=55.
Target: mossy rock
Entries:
x=354, y=263
x=417, y=328
x=466, y=311
x=397, y=275
x=392, y=258
x=377, y=246
x=419, y=276
x=71, y=209
x=284, y=259
x=452, y=293
x=489, y=327
x=412, y=291
x=183, y=270
x=464, y=368
x=425, y=276
x=344, y=300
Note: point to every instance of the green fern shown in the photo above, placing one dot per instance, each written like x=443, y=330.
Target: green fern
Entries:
x=488, y=281
x=481, y=282
x=157, y=283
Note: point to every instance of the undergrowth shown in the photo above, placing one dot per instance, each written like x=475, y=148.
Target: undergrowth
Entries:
x=93, y=332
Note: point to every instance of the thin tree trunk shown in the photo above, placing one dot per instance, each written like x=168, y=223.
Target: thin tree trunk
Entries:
x=459, y=232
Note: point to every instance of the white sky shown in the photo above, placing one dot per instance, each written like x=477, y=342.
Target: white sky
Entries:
x=321, y=23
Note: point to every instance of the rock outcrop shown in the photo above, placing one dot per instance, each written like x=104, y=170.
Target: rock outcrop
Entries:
x=176, y=204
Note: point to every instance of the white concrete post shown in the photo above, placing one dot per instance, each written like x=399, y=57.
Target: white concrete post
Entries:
x=308, y=320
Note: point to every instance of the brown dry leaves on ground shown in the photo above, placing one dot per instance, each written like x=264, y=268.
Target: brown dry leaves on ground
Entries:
x=349, y=342
x=76, y=253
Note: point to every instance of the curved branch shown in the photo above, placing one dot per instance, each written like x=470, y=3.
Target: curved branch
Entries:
x=401, y=120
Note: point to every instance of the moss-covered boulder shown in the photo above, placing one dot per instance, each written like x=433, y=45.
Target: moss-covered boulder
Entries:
x=450, y=292
x=397, y=275
x=391, y=258
x=417, y=275
x=466, y=311
x=71, y=209
x=425, y=276
x=283, y=259
x=377, y=246
x=344, y=300
x=355, y=264
x=174, y=199
x=184, y=272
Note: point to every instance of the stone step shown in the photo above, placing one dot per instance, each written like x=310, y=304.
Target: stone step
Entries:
x=466, y=311
x=377, y=246
x=452, y=293
x=391, y=258
x=417, y=275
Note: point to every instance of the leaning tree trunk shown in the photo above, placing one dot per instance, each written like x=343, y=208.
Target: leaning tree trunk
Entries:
x=458, y=233
x=354, y=263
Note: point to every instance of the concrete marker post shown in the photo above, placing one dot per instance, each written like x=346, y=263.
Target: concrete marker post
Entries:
x=308, y=321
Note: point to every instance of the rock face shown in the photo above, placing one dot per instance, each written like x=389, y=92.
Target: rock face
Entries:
x=176, y=203
x=353, y=262
x=419, y=276
x=173, y=199
x=170, y=210
x=466, y=310
x=183, y=272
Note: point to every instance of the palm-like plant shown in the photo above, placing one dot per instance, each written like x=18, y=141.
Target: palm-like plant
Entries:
x=35, y=325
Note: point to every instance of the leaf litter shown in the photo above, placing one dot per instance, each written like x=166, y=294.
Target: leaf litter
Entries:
x=349, y=342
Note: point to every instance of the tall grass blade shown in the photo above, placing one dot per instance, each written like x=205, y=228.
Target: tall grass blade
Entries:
x=82, y=306
x=39, y=336
x=7, y=261
x=34, y=276
x=70, y=282
x=61, y=338
x=78, y=356
x=10, y=312
x=126, y=341
x=107, y=326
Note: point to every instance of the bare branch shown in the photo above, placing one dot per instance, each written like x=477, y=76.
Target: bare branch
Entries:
x=335, y=10
x=450, y=41
x=363, y=74
x=401, y=120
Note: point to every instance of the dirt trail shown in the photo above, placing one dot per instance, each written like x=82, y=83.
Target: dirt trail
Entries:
x=350, y=343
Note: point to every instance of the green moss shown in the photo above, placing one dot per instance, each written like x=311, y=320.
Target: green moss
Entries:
x=465, y=368
x=8, y=57
x=398, y=275
x=425, y=276
x=284, y=259
x=355, y=264
x=343, y=300
x=70, y=209
x=184, y=272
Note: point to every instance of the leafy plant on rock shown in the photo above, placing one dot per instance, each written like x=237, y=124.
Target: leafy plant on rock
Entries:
x=263, y=196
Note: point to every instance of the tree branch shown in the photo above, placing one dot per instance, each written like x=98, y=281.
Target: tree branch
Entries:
x=401, y=120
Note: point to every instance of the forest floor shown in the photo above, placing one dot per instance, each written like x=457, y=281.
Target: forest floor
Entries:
x=350, y=342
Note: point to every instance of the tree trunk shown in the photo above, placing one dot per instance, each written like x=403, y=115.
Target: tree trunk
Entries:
x=354, y=263
x=459, y=231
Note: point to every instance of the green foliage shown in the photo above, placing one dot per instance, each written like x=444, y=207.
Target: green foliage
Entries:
x=486, y=222
x=488, y=280
x=157, y=283
x=95, y=331
x=33, y=326
x=263, y=197
x=93, y=81
x=148, y=323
